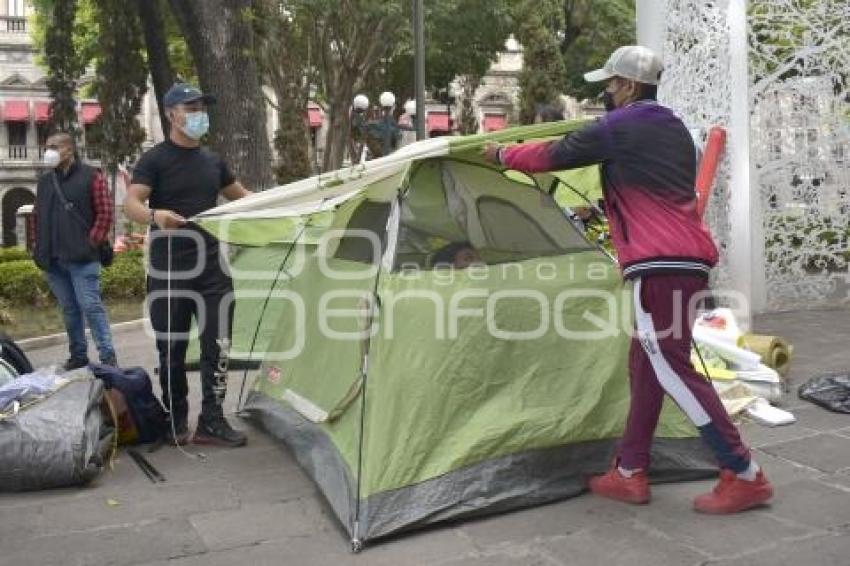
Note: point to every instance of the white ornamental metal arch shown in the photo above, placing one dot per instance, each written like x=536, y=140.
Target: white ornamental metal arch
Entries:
x=776, y=75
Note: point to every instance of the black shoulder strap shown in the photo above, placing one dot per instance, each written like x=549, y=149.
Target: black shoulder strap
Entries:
x=68, y=206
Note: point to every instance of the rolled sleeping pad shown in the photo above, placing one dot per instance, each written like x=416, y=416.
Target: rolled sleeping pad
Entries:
x=774, y=351
x=729, y=352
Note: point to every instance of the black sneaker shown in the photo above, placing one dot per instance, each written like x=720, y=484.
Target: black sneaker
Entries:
x=218, y=432
x=179, y=433
x=75, y=363
x=113, y=361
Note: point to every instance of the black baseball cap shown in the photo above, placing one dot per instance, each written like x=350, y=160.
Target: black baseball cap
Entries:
x=182, y=93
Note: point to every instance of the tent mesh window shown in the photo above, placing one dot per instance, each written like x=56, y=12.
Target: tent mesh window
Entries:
x=454, y=208
x=364, y=235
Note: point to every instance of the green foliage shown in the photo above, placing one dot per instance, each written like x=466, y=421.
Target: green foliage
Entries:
x=178, y=50
x=125, y=278
x=120, y=84
x=283, y=54
x=6, y=312
x=22, y=283
x=13, y=254
x=543, y=71
x=591, y=31
x=462, y=38
x=65, y=65
x=349, y=40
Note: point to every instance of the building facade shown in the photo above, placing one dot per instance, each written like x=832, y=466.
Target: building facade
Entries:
x=24, y=111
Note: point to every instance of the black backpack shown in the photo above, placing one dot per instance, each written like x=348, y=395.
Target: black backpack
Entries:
x=12, y=354
x=145, y=418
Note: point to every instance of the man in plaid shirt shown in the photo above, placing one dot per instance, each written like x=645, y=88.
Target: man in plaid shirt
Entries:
x=74, y=215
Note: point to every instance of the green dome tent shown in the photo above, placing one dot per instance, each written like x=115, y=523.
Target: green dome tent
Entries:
x=411, y=392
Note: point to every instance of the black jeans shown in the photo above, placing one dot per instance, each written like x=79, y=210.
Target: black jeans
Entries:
x=208, y=297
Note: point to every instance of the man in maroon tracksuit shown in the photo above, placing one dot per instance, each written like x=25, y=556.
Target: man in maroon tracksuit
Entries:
x=648, y=164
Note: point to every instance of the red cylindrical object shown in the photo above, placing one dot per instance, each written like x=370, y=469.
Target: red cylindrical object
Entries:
x=714, y=147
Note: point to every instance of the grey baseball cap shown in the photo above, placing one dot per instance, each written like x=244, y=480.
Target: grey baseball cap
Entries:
x=634, y=62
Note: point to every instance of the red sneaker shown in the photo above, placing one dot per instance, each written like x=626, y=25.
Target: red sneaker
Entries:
x=615, y=485
x=733, y=494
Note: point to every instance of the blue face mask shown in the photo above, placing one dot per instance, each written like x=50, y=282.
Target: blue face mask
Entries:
x=197, y=124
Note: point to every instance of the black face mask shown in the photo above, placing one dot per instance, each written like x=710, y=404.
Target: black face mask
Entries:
x=608, y=101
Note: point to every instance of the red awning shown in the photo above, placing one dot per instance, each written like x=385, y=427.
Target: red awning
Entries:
x=16, y=111
x=91, y=110
x=42, y=112
x=314, y=117
x=438, y=122
x=493, y=122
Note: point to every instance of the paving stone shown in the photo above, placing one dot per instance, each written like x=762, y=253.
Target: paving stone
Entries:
x=756, y=435
x=135, y=504
x=301, y=551
x=119, y=545
x=826, y=452
x=621, y=544
x=781, y=471
x=326, y=548
x=831, y=549
x=253, y=524
x=238, y=462
x=840, y=480
x=713, y=535
x=818, y=418
x=432, y=546
x=528, y=558
x=561, y=518
x=274, y=487
x=813, y=503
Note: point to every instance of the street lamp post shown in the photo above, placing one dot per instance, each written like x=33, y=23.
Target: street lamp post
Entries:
x=419, y=56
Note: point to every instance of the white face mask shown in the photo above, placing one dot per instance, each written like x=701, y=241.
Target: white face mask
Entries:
x=51, y=158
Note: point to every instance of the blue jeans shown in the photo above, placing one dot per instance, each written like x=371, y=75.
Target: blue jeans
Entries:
x=76, y=286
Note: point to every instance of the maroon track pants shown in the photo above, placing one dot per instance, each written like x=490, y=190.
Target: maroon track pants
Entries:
x=660, y=362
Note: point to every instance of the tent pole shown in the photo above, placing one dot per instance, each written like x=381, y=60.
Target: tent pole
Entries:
x=374, y=305
x=263, y=313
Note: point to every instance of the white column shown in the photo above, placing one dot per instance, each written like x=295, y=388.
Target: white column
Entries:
x=652, y=24
x=745, y=222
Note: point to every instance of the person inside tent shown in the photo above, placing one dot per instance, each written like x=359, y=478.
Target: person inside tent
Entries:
x=457, y=255
x=648, y=164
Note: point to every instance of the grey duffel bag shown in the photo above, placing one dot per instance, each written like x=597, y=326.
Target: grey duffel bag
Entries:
x=60, y=440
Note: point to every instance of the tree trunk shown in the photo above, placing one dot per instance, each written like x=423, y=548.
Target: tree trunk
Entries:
x=221, y=41
x=468, y=118
x=291, y=141
x=339, y=126
x=156, y=46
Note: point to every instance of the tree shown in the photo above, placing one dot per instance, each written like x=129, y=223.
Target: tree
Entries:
x=120, y=84
x=156, y=43
x=543, y=67
x=283, y=57
x=64, y=65
x=463, y=38
x=221, y=39
x=349, y=39
x=590, y=32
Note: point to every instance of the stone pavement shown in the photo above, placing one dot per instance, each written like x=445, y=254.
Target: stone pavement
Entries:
x=255, y=506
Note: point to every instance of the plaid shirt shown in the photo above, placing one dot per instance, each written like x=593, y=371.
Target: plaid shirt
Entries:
x=102, y=208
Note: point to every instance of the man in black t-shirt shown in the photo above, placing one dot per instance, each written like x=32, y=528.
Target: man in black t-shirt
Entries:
x=179, y=179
